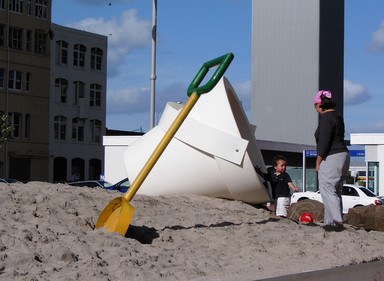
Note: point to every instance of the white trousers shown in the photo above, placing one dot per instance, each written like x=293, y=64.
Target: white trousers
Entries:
x=282, y=205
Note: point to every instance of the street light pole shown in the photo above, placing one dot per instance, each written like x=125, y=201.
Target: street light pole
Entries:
x=153, y=68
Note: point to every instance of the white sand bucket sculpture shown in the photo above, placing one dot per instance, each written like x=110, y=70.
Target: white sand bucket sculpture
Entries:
x=213, y=153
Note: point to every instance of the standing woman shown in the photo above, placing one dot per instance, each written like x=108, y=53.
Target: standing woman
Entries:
x=332, y=162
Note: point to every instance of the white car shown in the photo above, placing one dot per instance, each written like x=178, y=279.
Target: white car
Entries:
x=352, y=196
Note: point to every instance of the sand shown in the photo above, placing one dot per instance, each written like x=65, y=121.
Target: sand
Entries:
x=47, y=233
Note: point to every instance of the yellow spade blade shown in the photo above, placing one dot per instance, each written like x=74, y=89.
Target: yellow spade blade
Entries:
x=116, y=216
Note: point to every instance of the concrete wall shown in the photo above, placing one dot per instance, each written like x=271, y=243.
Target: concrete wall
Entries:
x=374, y=152
x=114, y=147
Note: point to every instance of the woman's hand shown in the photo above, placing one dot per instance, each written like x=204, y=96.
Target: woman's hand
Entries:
x=318, y=161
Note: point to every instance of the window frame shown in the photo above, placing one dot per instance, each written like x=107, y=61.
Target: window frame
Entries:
x=95, y=95
x=2, y=78
x=15, y=78
x=28, y=40
x=41, y=9
x=27, y=126
x=15, y=39
x=60, y=128
x=95, y=130
x=78, y=129
x=28, y=77
x=15, y=121
x=62, y=52
x=2, y=34
x=29, y=7
x=16, y=6
x=40, y=46
x=96, y=58
x=78, y=91
x=79, y=53
x=61, y=90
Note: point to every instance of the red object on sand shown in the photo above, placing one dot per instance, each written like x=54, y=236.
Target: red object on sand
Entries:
x=307, y=218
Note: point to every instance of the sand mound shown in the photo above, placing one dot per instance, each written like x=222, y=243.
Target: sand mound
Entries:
x=47, y=233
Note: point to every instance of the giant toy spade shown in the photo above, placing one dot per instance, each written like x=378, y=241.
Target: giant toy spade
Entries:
x=117, y=215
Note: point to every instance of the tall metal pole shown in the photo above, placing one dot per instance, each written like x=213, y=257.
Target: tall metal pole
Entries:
x=153, y=69
x=6, y=76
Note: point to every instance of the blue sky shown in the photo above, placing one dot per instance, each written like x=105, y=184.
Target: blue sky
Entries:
x=193, y=32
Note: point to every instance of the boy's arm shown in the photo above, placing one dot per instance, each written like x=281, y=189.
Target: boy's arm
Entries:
x=259, y=171
x=293, y=187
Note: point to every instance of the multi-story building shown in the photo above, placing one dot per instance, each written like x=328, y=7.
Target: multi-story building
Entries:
x=53, y=89
x=24, y=87
x=78, y=104
x=297, y=49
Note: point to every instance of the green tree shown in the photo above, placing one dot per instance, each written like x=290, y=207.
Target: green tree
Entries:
x=5, y=129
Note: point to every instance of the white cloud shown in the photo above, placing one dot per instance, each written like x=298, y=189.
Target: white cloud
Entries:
x=243, y=92
x=355, y=93
x=135, y=101
x=128, y=100
x=377, y=39
x=125, y=34
x=102, y=2
x=366, y=127
x=173, y=92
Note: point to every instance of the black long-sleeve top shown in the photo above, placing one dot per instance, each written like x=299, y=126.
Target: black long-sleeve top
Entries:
x=329, y=134
x=279, y=183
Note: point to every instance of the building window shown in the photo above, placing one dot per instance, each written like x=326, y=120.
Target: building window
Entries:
x=2, y=4
x=77, y=129
x=61, y=86
x=14, y=120
x=96, y=58
x=15, y=38
x=95, y=95
x=14, y=80
x=95, y=129
x=2, y=27
x=41, y=9
x=16, y=6
x=28, y=46
x=78, y=91
x=62, y=52
x=29, y=7
x=40, y=42
x=79, y=55
x=2, y=72
x=27, y=128
x=60, y=127
x=28, y=81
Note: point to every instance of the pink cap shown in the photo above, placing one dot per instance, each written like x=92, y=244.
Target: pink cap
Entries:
x=321, y=93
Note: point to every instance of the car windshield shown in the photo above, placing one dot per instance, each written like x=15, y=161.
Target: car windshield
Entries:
x=126, y=183
x=12, y=181
x=367, y=192
x=105, y=183
x=9, y=180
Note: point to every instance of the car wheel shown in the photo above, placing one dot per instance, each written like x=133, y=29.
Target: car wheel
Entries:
x=358, y=206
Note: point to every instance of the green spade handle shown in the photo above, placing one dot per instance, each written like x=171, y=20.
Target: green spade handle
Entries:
x=223, y=62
